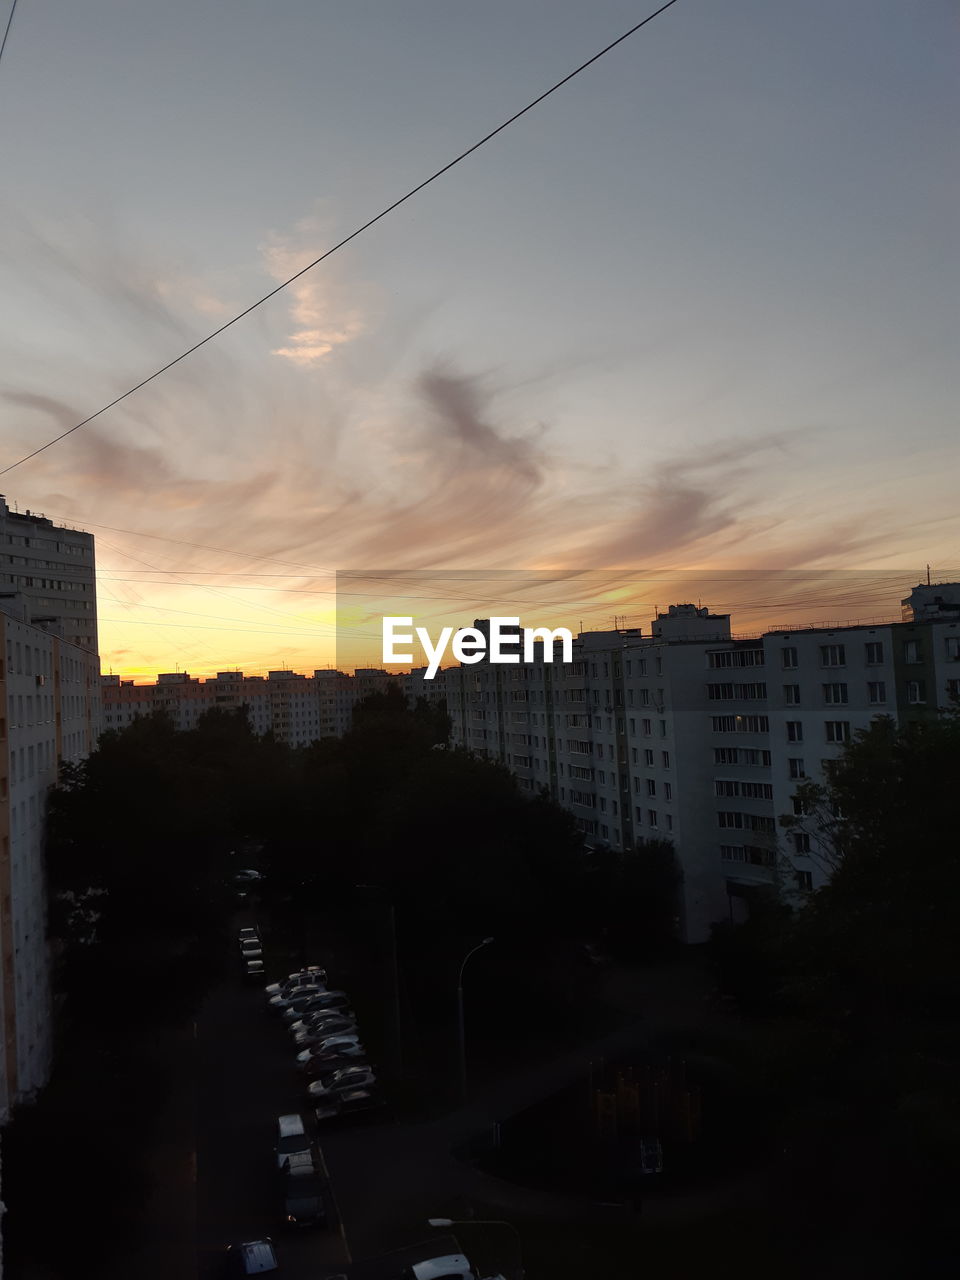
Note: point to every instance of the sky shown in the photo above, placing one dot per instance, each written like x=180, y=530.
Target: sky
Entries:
x=697, y=311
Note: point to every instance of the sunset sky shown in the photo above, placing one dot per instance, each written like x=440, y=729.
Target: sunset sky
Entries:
x=697, y=310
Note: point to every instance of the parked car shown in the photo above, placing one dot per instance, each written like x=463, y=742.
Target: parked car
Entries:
x=330, y=1046
x=341, y=1080
x=252, y=950
x=312, y=973
x=248, y=934
x=321, y=1066
x=303, y=1199
x=313, y=1002
x=315, y=1032
x=350, y=1103
x=319, y=1018
x=292, y=1138
x=452, y=1266
x=283, y=1001
x=246, y=876
x=253, y=970
x=252, y=1257
x=301, y=1162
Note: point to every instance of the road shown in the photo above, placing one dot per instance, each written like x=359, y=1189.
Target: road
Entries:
x=246, y=1078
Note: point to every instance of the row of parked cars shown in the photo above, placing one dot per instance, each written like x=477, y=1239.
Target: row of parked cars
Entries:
x=251, y=953
x=330, y=1053
x=340, y=1082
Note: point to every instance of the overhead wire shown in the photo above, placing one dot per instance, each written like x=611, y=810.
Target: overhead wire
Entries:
x=6, y=30
x=339, y=245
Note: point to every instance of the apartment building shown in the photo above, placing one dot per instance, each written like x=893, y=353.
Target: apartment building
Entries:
x=49, y=713
x=297, y=709
x=693, y=735
x=54, y=568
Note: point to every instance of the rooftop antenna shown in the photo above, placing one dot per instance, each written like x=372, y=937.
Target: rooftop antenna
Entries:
x=928, y=575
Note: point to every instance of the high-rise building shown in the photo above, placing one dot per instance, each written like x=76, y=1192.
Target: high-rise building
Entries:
x=690, y=735
x=53, y=568
x=49, y=713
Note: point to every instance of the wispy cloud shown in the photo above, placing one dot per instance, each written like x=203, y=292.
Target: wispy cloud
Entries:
x=322, y=316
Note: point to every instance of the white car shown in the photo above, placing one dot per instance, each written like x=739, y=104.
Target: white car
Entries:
x=329, y=1047
x=452, y=1266
x=292, y=1139
x=311, y=1002
x=341, y=1080
x=337, y=1024
x=312, y=973
x=252, y=1257
x=285, y=999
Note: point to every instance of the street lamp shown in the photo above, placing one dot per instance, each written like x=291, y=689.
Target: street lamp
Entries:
x=395, y=968
x=483, y=1222
x=463, y=1035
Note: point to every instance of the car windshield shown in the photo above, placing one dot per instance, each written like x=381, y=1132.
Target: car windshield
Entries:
x=297, y=1142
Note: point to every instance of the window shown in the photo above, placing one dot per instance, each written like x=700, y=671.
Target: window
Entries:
x=791, y=695
x=833, y=655
x=669, y=821
x=953, y=693
x=757, y=790
x=805, y=881
x=733, y=853
x=953, y=648
x=729, y=819
x=646, y=727
x=726, y=788
x=651, y=787
x=801, y=842
x=874, y=653
x=742, y=692
x=794, y=730
x=652, y=817
x=796, y=768
x=667, y=791
x=916, y=692
x=665, y=757
x=740, y=724
x=835, y=693
x=838, y=730
x=911, y=651
x=876, y=691
x=788, y=658
x=648, y=758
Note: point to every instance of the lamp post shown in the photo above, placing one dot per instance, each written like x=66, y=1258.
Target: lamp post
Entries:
x=395, y=975
x=484, y=1222
x=460, y=1017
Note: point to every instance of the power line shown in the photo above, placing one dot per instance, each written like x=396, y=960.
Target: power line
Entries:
x=352, y=236
x=3, y=43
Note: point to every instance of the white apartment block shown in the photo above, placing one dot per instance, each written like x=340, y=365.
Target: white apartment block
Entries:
x=54, y=569
x=49, y=713
x=296, y=709
x=690, y=735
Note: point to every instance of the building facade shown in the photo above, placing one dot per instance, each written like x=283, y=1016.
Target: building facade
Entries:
x=692, y=735
x=54, y=569
x=49, y=695
x=296, y=709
